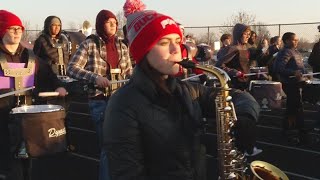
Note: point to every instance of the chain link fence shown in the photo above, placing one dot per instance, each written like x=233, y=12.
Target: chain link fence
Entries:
x=308, y=33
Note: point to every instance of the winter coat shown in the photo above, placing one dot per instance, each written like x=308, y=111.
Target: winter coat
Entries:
x=288, y=61
x=151, y=136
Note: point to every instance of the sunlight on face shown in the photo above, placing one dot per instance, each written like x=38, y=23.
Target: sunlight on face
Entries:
x=55, y=28
x=165, y=53
x=110, y=26
x=245, y=36
x=13, y=35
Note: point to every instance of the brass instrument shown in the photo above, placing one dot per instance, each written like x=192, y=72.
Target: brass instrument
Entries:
x=231, y=162
x=117, y=76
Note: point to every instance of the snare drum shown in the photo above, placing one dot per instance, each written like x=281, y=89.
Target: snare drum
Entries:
x=41, y=128
x=266, y=93
x=311, y=91
x=73, y=86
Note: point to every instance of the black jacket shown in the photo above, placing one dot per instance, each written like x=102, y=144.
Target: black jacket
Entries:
x=150, y=136
x=314, y=58
x=288, y=61
x=45, y=79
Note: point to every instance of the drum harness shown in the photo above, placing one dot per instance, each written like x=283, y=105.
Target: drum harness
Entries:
x=17, y=74
x=61, y=67
x=114, y=74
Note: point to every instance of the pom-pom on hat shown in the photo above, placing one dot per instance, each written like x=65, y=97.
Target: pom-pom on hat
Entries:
x=145, y=28
x=8, y=19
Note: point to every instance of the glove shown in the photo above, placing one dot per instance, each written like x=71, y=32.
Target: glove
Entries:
x=240, y=74
x=298, y=75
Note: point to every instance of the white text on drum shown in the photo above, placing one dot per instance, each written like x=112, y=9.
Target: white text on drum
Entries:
x=55, y=133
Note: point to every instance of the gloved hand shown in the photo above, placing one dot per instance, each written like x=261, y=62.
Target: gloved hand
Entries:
x=298, y=75
x=240, y=74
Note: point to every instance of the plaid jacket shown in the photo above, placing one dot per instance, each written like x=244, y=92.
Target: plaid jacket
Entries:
x=89, y=62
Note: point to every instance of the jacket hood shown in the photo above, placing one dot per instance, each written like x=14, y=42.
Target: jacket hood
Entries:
x=238, y=29
x=47, y=24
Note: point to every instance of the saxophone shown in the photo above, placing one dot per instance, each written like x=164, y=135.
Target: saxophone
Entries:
x=232, y=163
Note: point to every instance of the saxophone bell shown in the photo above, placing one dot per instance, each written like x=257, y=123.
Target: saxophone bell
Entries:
x=263, y=170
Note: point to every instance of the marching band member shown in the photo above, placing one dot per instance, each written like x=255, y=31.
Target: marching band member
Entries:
x=288, y=63
x=13, y=54
x=86, y=28
x=314, y=58
x=94, y=61
x=51, y=47
x=226, y=40
x=236, y=60
x=153, y=123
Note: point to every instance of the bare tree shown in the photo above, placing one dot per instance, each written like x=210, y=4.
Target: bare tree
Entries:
x=72, y=26
x=121, y=22
x=240, y=17
x=207, y=38
x=261, y=30
x=304, y=45
x=27, y=35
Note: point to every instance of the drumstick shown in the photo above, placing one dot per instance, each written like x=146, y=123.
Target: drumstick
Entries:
x=253, y=74
x=191, y=77
x=308, y=74
x=48, y=94
x=120, y=81
x=16, y=92
x=114, y=82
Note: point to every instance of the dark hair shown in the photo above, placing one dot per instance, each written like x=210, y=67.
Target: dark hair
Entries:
x=225, y=36
x=287, y=36
x=47, y=25
x=154, y=75
x=124, y=30
x=250, y=41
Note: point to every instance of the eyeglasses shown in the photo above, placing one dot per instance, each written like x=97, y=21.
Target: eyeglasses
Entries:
x=15, y=29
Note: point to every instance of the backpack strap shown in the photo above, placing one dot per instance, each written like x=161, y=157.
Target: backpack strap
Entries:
x=97, y=41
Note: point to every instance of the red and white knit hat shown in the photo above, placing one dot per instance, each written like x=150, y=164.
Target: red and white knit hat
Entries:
x=8, y=19
x=145, y=28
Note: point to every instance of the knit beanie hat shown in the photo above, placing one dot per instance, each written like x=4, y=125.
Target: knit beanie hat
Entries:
x=103, y=16
x=8, y=19
x=145, y=28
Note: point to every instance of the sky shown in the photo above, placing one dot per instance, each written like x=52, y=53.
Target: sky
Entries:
x=188, y=12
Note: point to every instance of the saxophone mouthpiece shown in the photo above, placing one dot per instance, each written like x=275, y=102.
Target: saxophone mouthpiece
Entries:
x=186, y=63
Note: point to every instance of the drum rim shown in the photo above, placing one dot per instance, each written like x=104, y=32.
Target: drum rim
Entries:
x=264, y=82
x=42, y=108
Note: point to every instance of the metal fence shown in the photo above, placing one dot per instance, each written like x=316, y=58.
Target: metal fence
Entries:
x=308, y=33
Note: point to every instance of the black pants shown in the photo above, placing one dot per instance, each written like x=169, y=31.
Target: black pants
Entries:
x=4, y=141
x=14, y=169
x=294, y=107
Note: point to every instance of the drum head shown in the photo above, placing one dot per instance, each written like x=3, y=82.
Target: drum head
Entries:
x=36, y=109
x=264, y=82
x=258, y=69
